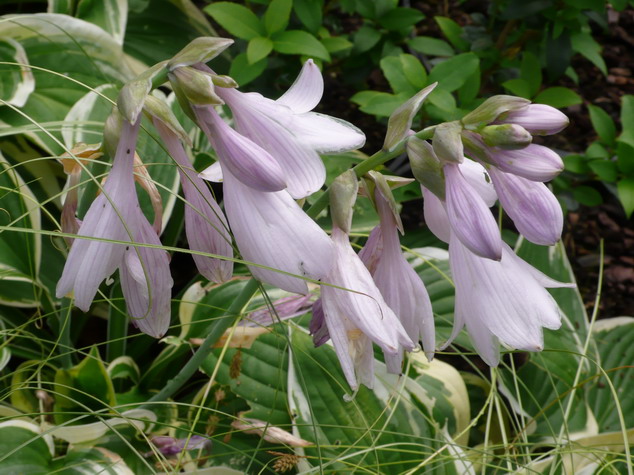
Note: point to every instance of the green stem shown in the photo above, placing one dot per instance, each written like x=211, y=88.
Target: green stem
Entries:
x=218, y=328
x=64, y=341
x=117, y=326
x=370, y=163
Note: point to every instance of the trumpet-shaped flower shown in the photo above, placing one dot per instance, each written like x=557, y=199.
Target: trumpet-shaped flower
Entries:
x=205, y=224
x=115, y=215
x=538, y=119
x=356, y=315
x=271, y=230
x=400, y=285
x=292, y=134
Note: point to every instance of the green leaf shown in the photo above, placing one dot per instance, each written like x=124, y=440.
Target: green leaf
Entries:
x=531, y=72
x=625, y=189
x=380, y=104
x=243, y=72
x=431, y=46
x=443, y=99
x=519, y=87
x=83, y=389
x=258, y=49
x=365, y=39
x=236, y=19
x=309, y=13
x=603, y=124
x=596, y=150
x=625, y=158
x=393, y=69
x=111, y=15
x=606, y=170
x=558, y=97
x=336, y=44
x=452, y=73
x=300, y=42
x=576, y=163
x=614, y=338
x=277, y=16
x=16, y=82
x=400, y=19
x=81, y=461
x=627, y=120
x=24, y=448
x=469, y=91
x=587, y=195
x=453, y=32
x=145, y=37
x=585, y=44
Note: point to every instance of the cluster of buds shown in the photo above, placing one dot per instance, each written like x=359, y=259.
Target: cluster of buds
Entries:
x=270, y=158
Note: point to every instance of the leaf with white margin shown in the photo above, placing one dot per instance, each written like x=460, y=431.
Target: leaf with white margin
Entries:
x=24, y=448
x=142, y=419
x=85, y=120
x=111, y=15
x=16, y=81
x=88, y=461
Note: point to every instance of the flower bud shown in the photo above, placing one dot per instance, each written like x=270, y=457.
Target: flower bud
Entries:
x=447, y=142
x=506, y=136
x=195, y=85
x=159, y=110
x=426, y=166
x=343, y=194
x=490, y=109
x=538, y=119
x=401, y=119
x=200, y=50
x=132, y=96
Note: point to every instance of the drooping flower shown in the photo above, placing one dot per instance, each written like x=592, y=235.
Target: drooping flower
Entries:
x=115, y=215
x=205, y=224
x=271, y=230
x=292, y=134
x=538, y=119
x=400, y=286
x=172, y=446
x=356, y=315
x=498, y=301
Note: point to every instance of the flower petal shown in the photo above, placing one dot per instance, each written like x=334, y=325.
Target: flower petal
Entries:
x=435, y=216
x=246, y=160
x=306, y=91
x=326, y=134
x=531, y=205
x=477, y=176
x=470, y=217
x=538, y=119
x=535, y=162
x=272, y=230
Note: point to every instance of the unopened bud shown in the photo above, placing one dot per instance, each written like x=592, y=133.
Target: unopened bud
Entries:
x=401, y=119
x=223, y=81
x=447, y=142
x=538, y=119
x=384, y=185
x=195, y=85
x=506, y=136
x=426, y=167
x=490, y=109
x=160, y=111
x=343, y=194
x=132, y=96
x=200, y=50
x=112, y=132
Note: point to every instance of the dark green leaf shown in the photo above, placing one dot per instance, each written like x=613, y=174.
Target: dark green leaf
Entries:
x=258, y=49
x=365, y=39
x=625, y=158
x=519, y=87
x=625, y=190
x=452, y=73
x=453, y=32
x=243, y=72
x=400, y=19
x=587, y=196
x=584, y=44
x=300, y=42
x=336, y=44
x=111, y=15
x=576, y=163
x=603, y=124
x=531, y=72
x=236, y=19
x=558, y=55
x=558, y=97
x=309, y=13
x=606, y=170
x=431, y=46
x=24, y=449
x=277, y=16
x=627, y=119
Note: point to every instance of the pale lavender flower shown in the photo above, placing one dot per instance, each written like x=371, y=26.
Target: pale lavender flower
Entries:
x=247, y=161
x=172, y=446
x=400, y=286
x=469, y=216
x=283, y=309
x=498, y=301
x=356, y=315
x=531, y=205
x=292, y=134
x=535, y=162
x=271, y=230
x=538, y=119
x=205, y=224
x=115, y=215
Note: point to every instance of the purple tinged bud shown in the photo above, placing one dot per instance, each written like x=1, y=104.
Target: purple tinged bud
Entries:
x=506, y=136
x=447, y=143
x=535, y=162
x=247, y=161
x=531, y=205
x=205, y=224
x=318, y=328
x=538, y=119
x=470, y=217
x=172, y=446
x=283, y=309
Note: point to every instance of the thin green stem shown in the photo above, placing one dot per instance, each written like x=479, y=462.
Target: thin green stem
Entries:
x=218, y=328
x=64, y=341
